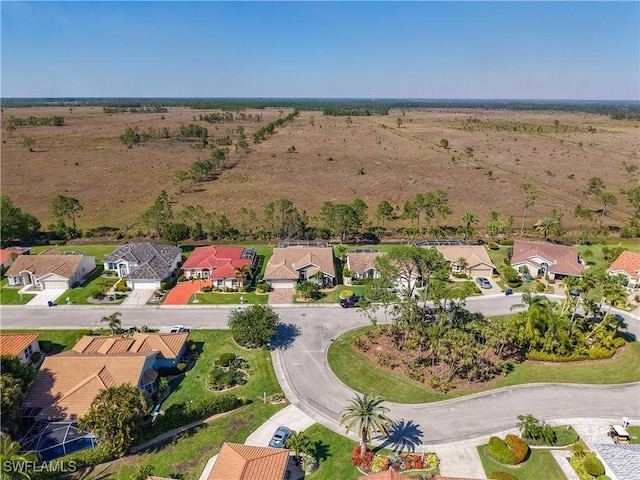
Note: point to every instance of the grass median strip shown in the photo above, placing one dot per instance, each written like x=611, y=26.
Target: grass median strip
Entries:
x=357, y=372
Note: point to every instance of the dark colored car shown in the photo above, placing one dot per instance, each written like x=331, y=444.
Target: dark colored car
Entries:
x=483, y=282
x=280, y=437
x=351, y=301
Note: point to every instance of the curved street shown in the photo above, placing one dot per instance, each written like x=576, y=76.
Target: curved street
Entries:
x=306, y=379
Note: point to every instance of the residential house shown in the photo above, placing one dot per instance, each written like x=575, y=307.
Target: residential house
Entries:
x=622, y=462
x=478, y=263
x=168, y=347
x=219, y=264
x=144, y=265
x=21, y=345
x=247, y=462
x=627, y=265
x=7, y=255
x=51, y=269
x=541, y=258
x=67, y=383
x=362, y=263
x=298, y=263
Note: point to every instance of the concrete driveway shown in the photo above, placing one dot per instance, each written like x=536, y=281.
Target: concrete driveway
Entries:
x=290, y=416
x=138, y=297
x=43, y=297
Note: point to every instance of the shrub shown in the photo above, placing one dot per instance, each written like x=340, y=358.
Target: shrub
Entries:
x=379, y=463
x=500, y=451
x=361, y=461
x=345, y=294
x=207, y=289
x=45, y=345
x=431, y=460
x=518, y=447
x=499, y=475
x=593, y=466
x=603, y=477
x=182, y=366
x=35, y=357
x=308, y=464
x=225, y=359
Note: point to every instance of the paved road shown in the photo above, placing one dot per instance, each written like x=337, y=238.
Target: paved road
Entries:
x=302, y=370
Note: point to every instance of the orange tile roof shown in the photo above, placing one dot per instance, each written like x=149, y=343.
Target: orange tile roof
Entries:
x=627, y=262
x=167, y=345
x=15, y=343
x=68, y=382
x=5, y=256
x=386, y=475
x=246, y=462
x=285, y=262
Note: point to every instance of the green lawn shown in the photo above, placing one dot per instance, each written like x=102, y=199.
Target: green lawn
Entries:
x=98, y=251
x=214, y=298
x=598, y=259
x=61, y=340
x=79, y=295
x=356, y=371
x=333, y=296
x=634, y=433
x=333, y=452
x=540, y=464
x=10, y=295
x=211, y=343
x=186, y=456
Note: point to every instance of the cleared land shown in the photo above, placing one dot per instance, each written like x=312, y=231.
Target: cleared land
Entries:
x=373, y=158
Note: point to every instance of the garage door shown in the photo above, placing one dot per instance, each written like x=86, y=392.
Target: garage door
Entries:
x=282, y=284
x=145, y=285
x=55, y=284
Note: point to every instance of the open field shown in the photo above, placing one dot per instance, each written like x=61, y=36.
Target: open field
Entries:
x=373, y=158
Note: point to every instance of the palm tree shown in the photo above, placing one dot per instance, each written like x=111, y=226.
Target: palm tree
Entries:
x=547, y=226
x=529, y=300
x=469, y=220
x=242, y=272
x=114, y=322
x=462, y=264
x=529, y=196
x=614, y=294
x=143, y=472
x=11, y=457
x=367, y=415
x=300, y=443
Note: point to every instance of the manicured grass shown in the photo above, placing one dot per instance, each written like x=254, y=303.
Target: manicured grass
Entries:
x=186, y=456
x=61, y=340
x=356, y=371
x=98, y=251
x=634, y=433
x=540, y=464
x=598, y=258
x=333, y=296
x=333, y=452
x=215, y=298
x=10, y=295
x=212, y=343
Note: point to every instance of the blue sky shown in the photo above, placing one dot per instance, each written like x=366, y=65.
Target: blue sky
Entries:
x=534, y=50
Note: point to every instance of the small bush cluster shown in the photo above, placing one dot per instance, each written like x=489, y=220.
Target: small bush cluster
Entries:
x=499, y=475
x=500, y=451
x=361, y=461
x=263, y=287
x=593, y=466
x=229, y=371
x=518, y=447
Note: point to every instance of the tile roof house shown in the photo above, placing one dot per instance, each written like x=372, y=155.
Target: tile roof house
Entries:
x=21, y=345
x=478, y=262
x=168, y=347
x=246, y=462
x=361, y=263
x=144, y=265
x=51, y=269
x=627, y=264
x=622, y=462
x=290, y=265
x=219, y=264
x=542, y=258
x=67, y=383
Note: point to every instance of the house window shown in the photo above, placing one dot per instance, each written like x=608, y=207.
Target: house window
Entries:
x=28, y=351
x=149, y=388
x=455, y=268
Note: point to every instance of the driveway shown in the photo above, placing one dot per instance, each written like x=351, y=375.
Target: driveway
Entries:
x=181, y=293
x=43, y=297
x=138, y=297
x=290, y=416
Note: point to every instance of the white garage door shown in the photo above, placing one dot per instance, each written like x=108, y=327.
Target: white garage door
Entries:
x=282, y=284
x=141, y=285
x=55, y=284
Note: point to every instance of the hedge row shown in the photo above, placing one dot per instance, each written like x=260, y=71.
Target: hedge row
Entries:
x=498, y=475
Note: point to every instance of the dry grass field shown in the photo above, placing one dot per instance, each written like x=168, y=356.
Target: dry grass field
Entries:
x=374, y=158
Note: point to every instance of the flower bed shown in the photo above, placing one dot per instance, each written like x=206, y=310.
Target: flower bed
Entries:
x=405, y=462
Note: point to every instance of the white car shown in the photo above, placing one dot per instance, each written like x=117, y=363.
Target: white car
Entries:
x=178, y=329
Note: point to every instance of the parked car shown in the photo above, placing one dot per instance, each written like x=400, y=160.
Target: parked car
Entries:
x=483, y=282
x=280, y=437
x=178, y=329
x=351, y=301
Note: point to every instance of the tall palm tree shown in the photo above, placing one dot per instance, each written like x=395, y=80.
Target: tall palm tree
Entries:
x=367, y=415
x=614, y=294
x=10, y=456
x=469, y=219
x=242, y=272
x=547, y=226
x=463, y=264
x=113, y=321
x=529, y=300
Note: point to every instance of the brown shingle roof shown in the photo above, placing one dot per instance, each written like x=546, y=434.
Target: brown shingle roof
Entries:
x=561, y=258
x=360, y=262
x=246, y=462
x=15, y=343
x=627, y=262
x=285, y=262
x=167, y=345
x=39, y=265
x=474, y=254
x=67, y=383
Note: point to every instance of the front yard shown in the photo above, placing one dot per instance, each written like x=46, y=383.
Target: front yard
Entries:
x=216, y=298
x=540, y=464
x=10, y=295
